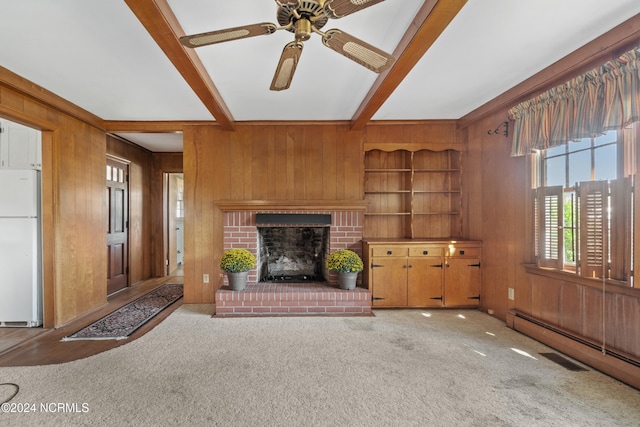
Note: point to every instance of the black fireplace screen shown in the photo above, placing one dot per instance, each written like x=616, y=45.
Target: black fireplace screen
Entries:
x=292, y=253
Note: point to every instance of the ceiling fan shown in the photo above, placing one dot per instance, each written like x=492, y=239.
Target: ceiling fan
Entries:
x=303, y=17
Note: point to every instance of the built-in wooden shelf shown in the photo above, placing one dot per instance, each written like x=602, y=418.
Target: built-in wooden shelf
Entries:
x=413, y=146
x=412, y=194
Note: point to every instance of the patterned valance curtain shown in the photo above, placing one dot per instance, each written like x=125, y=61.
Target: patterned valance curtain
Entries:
x=603, y=99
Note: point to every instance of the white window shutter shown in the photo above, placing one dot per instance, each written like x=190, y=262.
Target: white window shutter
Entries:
x=594, y=233
x=550, y=214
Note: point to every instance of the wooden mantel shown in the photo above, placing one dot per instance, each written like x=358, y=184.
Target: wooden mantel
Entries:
x=298, y=205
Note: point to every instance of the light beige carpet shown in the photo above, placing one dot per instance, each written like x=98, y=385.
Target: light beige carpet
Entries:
x=399, y=368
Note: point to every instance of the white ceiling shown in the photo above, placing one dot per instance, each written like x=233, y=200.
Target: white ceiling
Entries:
x=97, y=55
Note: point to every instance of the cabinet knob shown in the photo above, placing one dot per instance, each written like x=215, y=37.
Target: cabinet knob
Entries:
x=425, y=252
x=389, y=252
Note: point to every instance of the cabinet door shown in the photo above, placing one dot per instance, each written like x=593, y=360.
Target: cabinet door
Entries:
x=20, y=147
x=462, y=282
x=424, y=284
x=389, y=282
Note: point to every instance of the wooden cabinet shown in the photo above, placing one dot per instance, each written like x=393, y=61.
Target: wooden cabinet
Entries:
x=20, y=146
x=390, y=274
x=412, y=194
x=422, y=273
x=425, y=278
x=463, y=276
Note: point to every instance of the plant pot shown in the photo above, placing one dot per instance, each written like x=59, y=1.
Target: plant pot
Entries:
x=237, y=281
x=347, y=280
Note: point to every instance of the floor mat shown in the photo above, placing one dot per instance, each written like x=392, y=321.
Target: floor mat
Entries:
x=126, y=320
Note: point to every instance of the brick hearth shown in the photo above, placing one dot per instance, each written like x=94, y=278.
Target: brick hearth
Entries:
x=279, y=299
x=283, y=298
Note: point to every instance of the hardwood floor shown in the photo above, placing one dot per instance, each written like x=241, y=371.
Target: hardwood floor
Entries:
x=11, y=337
x=37, y=346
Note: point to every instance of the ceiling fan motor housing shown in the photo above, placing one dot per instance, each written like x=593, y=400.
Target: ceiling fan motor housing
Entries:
x=308, y=10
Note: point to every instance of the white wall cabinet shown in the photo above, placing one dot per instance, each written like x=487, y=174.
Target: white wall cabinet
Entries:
x=20, y=146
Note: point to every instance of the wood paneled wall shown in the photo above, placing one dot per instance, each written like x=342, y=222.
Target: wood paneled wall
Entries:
x=584, y=309
x=79, y=170
x=311, y=162
x=498, y=210
x=275, y=162
x=73, y=182
x=434, y=132
x=500, y=214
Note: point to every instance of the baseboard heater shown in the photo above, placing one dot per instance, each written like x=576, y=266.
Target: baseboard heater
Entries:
x=578, y=339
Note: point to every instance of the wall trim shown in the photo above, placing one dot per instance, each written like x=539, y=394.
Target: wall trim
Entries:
x=301, y=205
x=608, y=363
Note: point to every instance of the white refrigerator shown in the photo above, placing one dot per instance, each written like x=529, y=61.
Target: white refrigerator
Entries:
x=20, y=249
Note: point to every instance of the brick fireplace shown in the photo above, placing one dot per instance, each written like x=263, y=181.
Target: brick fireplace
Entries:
x=318, y=295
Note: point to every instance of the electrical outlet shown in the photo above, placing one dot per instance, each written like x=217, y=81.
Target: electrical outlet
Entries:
x=511, y=294
x=205, y=278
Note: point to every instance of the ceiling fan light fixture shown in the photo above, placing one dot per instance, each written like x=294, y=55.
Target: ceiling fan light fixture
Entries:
x=303, y=29
x=287, y=66
x=363, y=53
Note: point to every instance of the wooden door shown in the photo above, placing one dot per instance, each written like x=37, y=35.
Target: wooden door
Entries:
x=424, y=288
x=389, y=279
x=117, y=225
x=462, y=282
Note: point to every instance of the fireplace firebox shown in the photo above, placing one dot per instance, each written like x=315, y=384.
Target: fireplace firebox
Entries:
x=292, y=247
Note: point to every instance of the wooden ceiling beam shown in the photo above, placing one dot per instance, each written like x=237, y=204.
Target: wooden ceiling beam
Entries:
x=430, y=21
x=159, y=20
x=150, y=126
x=14, y=82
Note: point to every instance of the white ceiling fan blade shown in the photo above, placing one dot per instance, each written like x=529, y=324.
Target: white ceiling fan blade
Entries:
x=339, y=8
x=229, y=34
x=287, y=66
x=357, y=50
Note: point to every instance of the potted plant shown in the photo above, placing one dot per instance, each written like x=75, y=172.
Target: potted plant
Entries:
x=237, y=263
x=347, y=264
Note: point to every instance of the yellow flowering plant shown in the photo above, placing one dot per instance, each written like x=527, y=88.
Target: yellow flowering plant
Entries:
x=344, y=261
x=237, y=260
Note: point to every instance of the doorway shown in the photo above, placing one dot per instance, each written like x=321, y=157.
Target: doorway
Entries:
x=117, y=199
x=174, y=220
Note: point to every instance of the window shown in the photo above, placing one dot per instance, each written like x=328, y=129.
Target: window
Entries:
x=583, y=209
